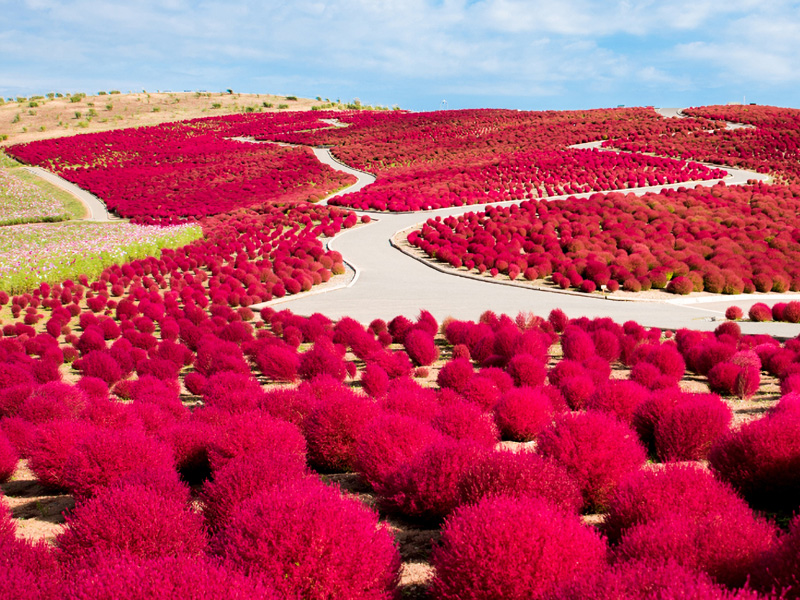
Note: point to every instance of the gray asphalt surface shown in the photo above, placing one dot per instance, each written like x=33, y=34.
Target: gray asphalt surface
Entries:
x=95, y=206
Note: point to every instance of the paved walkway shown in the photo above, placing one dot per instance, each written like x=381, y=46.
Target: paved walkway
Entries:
x=95, y=207
x=390, y=283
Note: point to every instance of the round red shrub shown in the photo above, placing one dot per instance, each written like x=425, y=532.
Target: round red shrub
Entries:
x=244, y=476
x=577, y=344
x=232, y=392
x=111, y=577
x=513, y=548
x=132, y=519
x=466, y=421
x=428, y=485
x=421, y=347
x=522, y=413
x=762, y=460
x=99, y=364
x=618, y=397
x=707, y=542
x=334, y=426
x=651, y=493
x=28, y=571
x=734, y=313
x=681, y=286
x=322, y=359
x=8, y=458
x=104, y=456
x=245, y=433
x=689, y=429
x=51, y=447
x=523, y=474
x=388, y=442
x=279, y=362
x=375, y=380
x=308, y=541
x=760, y=312
x=779, y=568
x=596, y=449
x=527, y=370
x=455, y=374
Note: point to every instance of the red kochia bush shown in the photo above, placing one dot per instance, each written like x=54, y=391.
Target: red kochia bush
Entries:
x=421, y=347
x=762, y=460
x=333, y=427
x=648, y=580
x=618, y=397
x=7, y=527
x=388, y=442
x=651, y=493
x=28, y=571
x=428, y=485
x=596, y=449
x=513, y=548
x=688, y=430
x=106, y=455
x=374, y=380
x=248, y=432
x=466, y=421
x=8, y=458
x=523, y=474
x=522, y=413
x=308, y=541
x=54, y=442
x=111, y=577
x=244, y=476
x=727, y=547
x=132, y=519
x=779, y=569
x=322, y=359
x=455, y=374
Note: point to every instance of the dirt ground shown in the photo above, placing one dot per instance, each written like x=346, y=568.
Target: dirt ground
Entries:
x=46, y=118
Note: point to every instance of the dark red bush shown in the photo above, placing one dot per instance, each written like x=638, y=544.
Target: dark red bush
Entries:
x=513, y=548
x=619, y=397
x=8, y=458
x=308, y=541
x=688, y=430
x=522, y=413
x=466, y=421
x=596, y=449
x=455, y=374
x=232, y=392
x=428, y=485
x=52, y=445
x=104, y=456
x=762, y=460
x=243, y=477
x=421, y=347
x=322, y=359
x=687, y=489
x=135, y=520
x=28, y=571
x=760, y=312
x=707, y=542
x=333, y=427
x=523, y=474
x=779, y=568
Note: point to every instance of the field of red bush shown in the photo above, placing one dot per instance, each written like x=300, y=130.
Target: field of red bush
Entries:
x=722, y=239
x=198, y=443
x=771, y=146
x=590, y=400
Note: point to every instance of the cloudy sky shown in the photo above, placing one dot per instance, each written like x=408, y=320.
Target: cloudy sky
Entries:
x=528, y=54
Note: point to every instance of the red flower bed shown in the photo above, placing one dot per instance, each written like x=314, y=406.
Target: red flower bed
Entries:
x=724, y=240
x=185, y=169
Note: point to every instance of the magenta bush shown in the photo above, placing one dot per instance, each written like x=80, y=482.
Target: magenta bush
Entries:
x=779, y=568
x=28, y=570
x=111, y=577
x=466, y=421
x=409, y=398
x=278, y=362
x=619, y=397
x=52, y=446
x=706, y=542
x=322, y=359
x=513, y=548
x=375, y=380
x=522, y=413
x=387, y=443
x=522, y=474
x=482, y=392
x=762, y=460
x=245, y=433
x=421, y=347
x=232, y=392
x=135, y=520
x=596, y=449
x=527, y=370
x=455, y=374
x=734, y=313
x=681, y=488
x=333, y=428
x=306, y=540
x=760, y=312
x=243, y=477
x=104, y=456
x=646, y=580
x=577, y=344
x=8, y=458
x=99, y=364
x=688, y=430
x=428, y=485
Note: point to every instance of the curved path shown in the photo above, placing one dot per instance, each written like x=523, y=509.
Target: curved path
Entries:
x=95, y=207
x=389, y=282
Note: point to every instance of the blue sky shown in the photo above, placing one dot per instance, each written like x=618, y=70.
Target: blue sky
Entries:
x=532, y=54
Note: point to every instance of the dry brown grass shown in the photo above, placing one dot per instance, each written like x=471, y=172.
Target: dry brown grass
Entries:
x=58, y=117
